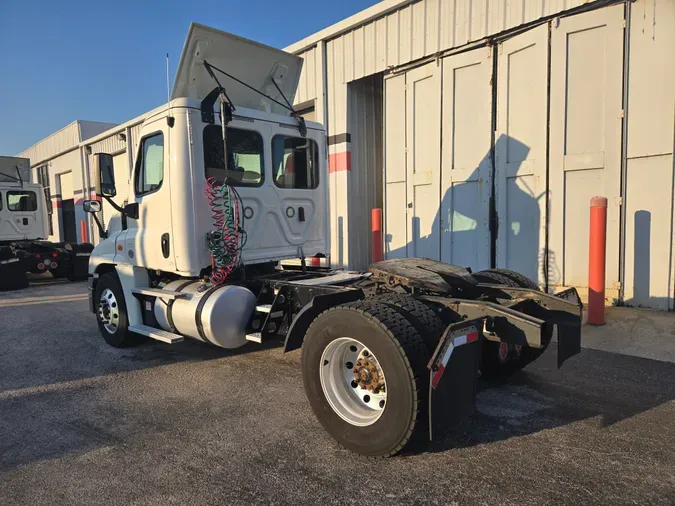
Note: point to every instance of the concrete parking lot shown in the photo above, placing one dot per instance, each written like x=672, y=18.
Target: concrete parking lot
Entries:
x=83, y=423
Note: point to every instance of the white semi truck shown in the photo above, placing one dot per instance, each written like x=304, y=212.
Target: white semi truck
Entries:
x=227, y=183
x=24, y=229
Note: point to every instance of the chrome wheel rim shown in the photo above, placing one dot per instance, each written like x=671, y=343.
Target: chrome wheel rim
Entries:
x=108, y=311
x=353, y=381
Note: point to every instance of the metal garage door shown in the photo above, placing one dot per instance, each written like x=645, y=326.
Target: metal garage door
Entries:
x=649, y=198
x=585, y=140
x=121, y=165
x=434, y=212
x=520, y=153
x=412, y=163
x=467, y=164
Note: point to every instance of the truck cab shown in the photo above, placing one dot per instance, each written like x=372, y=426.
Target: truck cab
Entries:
x=275, y=162
x=23, y=207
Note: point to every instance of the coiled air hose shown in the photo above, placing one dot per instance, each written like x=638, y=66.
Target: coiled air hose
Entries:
x=228, y=236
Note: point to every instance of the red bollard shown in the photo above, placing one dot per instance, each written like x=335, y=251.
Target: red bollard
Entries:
x=83, y=231
x=597, y=246
x=378, y=247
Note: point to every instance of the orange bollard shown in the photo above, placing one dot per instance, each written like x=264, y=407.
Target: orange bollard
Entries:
x=83, y=231
x=597, y=246
x=378, y=249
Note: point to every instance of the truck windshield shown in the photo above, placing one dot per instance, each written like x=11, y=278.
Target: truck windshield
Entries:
x=21, y=201
x=244, y=156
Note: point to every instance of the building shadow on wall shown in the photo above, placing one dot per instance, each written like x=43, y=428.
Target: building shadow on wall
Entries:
x=460, y=230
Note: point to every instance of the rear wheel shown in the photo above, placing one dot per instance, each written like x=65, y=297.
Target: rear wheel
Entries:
x=503, y=359
x=364, y=371
x=111, y=312
x=425, y=320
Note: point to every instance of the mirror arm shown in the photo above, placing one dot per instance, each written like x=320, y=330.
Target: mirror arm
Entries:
x=116, y=207
x=101, y=233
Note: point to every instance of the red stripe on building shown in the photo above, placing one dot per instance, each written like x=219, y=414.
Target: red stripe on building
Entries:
x=337, y=162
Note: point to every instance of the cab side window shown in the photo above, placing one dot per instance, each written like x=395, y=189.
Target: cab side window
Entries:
x=150, y=165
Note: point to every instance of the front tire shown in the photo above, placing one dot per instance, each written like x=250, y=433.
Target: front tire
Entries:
x=395, y=366
x=111, y=312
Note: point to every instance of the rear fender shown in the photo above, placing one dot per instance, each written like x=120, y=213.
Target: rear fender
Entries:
x=319, y=303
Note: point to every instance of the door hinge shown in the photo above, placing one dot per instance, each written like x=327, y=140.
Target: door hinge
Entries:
x=619, y=201
x=625, y=24
x=623, y=113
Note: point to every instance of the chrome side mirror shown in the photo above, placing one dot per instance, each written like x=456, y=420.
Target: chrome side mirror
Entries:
x=91, y=206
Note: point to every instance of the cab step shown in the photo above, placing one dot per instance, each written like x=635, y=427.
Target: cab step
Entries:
x=267, y=308
x=256, y=337
x=158, y=334
x=157, y=292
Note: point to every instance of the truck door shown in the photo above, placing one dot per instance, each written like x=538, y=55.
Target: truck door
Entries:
x=148, y=240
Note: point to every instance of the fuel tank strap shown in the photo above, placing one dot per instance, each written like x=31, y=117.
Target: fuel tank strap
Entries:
x=169, y=305
x=198, y=313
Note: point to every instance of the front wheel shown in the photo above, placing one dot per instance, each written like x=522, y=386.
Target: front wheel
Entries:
x=111, y=312
x=364, y=370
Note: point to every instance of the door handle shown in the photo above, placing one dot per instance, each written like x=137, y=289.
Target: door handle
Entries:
x=301, y=214
x=165, y=245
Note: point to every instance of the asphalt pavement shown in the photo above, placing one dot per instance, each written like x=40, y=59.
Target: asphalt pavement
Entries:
x=84, y=423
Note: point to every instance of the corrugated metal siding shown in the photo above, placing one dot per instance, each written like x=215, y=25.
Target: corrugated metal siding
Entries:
x=307, y=85
x=89, y=129
x=426, y=27
x=63, y=140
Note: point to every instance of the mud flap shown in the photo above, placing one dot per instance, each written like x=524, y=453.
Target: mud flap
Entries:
x=569, y=341
x=79, y=260
x=453, y=376
x=569, y=329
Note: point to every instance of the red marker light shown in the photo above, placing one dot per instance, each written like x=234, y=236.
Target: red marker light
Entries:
x=37, y=256
x=53, y=255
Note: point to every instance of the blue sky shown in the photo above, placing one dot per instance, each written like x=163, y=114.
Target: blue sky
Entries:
x=105, y=61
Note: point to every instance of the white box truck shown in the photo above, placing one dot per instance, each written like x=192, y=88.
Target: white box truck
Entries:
x=227, y=183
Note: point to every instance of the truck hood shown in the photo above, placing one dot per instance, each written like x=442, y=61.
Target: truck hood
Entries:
x=250, y=62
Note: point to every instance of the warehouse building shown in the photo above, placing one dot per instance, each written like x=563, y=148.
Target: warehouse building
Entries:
x=57, y=163
x=483, y=128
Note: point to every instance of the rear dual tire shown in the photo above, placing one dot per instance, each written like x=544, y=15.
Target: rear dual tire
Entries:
x=401, y=355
